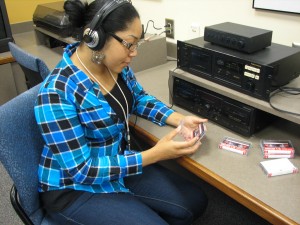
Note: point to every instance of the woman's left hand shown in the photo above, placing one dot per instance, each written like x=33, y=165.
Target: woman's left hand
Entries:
x=188, y=125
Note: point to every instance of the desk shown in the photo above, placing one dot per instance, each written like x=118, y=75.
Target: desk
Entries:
x=9, y=84
x=276, y=199
x=153, y=50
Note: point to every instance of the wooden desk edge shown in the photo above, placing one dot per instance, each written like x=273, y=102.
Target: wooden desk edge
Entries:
x=249, y=201
x=6, y=59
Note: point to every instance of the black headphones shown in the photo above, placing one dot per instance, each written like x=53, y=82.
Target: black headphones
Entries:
x=94, y=36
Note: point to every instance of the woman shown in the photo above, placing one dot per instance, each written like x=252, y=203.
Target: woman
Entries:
x=87, y=165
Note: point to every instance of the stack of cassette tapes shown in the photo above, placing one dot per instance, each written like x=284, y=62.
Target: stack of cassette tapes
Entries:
x=235, y=145
x=277, y=149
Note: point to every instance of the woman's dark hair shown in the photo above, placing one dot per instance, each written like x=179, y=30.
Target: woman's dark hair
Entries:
x=81, y=15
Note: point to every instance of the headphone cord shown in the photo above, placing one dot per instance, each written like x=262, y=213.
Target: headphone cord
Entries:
x=153, y=26
x=287, y=90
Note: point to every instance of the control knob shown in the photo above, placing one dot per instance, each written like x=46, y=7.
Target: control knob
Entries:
x=207, y=107
x=250, y=85
x=240, y=44
x=220, y=62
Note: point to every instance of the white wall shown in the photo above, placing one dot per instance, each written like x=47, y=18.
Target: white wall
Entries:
x=285, y=26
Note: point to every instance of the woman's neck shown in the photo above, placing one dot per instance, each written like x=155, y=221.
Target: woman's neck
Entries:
x=98, y=73
x=85, y=55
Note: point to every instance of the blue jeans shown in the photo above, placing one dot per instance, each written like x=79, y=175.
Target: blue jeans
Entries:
x=159, y=197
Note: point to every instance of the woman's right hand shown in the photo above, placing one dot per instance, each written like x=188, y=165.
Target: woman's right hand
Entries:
x=167, y=148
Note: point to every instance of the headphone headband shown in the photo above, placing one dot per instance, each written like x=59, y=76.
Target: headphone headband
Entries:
x=105, y=10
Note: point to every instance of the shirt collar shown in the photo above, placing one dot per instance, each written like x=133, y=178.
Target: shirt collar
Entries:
x=78, y=76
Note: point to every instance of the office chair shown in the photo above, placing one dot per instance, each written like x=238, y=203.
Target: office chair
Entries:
x=21, y=144
x=35, y=69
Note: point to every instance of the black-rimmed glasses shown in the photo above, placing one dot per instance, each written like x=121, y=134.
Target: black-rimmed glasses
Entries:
x=131, y=47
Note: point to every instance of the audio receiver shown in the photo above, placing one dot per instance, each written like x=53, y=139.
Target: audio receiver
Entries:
x=229, y=113
x=256, y=74
x=237, y=36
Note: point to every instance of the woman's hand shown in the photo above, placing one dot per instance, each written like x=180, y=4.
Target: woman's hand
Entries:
x=167, y=148
x=188, y=125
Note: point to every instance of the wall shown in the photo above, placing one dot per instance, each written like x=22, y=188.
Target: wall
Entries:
x=285, y=26
x=22, y=10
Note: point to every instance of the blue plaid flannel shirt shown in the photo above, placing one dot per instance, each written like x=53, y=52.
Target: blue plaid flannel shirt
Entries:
x=83, y=134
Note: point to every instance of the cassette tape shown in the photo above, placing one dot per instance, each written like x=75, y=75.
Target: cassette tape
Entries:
x=235, y=145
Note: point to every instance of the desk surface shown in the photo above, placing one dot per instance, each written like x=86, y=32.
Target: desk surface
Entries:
x=277, y=198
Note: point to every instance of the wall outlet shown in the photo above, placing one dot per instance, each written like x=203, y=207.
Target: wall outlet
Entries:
x=169, y=27
x=195, y=28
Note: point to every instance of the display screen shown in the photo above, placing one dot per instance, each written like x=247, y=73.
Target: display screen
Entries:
x=291, y=6
x=2, y=27
x=5, y=32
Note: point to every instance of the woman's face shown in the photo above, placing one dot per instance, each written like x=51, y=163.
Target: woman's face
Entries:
x=117, y=56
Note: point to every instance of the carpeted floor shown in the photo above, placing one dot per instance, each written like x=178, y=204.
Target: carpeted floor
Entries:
x=7, y=213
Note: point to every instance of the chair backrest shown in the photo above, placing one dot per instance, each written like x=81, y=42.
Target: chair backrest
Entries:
x=35, y=69
x=21, y=144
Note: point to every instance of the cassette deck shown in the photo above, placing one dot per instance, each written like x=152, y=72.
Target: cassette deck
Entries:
x=229, y=113
x=256, y=74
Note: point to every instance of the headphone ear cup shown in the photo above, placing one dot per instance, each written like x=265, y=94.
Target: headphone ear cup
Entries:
x=91, y=38
x=101, y=39
x=95, y=40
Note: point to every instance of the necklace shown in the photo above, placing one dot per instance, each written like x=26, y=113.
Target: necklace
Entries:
x=127, y=110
